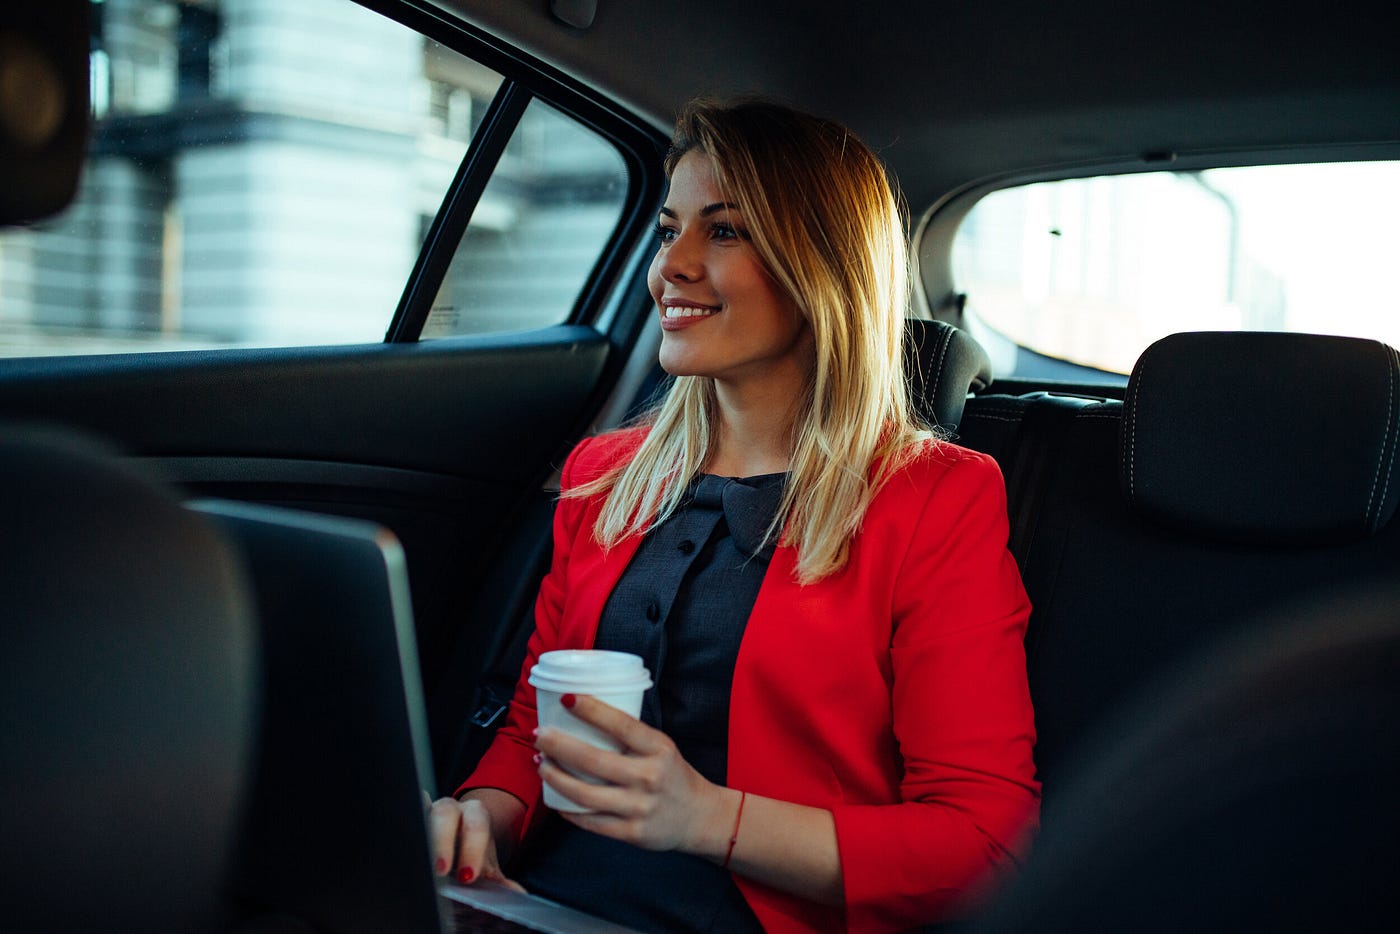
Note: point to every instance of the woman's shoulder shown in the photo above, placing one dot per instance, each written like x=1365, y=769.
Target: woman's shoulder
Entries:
x=594, y=456
x=938, y=487
x=930, y=464
x=933, y=457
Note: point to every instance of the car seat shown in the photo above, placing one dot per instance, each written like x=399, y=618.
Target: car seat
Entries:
x=127, y=688
x=1251, y=790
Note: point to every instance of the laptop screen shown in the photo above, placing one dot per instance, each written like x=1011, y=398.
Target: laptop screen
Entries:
x=334, y=832
x=334, y=828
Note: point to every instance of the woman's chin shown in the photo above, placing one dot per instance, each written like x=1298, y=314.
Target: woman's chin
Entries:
x=679, y=364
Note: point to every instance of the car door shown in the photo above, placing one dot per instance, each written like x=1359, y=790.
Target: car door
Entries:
x=275, y=187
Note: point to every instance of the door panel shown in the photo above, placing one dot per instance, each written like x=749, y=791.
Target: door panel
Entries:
x=450, y=406
x=446, y=442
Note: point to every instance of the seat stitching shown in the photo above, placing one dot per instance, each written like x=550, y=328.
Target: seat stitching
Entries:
x=981, y=409
x=1373, y=503
x=1132, y=423
x=1390, y=425
x=992, y=418
x=1380, y=459
x=947, y=337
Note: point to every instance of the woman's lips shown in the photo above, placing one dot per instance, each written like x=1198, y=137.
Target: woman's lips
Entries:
x=674, y=317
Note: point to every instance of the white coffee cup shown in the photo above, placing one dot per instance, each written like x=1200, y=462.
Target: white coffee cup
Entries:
x=618, y=679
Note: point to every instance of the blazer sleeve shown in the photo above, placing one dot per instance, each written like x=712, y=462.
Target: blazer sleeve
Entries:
x=962, y=717
x=508, y=763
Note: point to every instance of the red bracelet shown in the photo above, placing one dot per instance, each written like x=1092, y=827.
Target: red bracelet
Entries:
x=734, y=837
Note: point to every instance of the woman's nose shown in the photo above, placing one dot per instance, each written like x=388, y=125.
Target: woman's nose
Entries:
x=682, y=260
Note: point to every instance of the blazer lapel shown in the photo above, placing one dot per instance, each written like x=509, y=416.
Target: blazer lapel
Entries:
x=593, y=577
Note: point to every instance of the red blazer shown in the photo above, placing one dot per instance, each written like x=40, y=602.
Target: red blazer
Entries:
x=892, y=693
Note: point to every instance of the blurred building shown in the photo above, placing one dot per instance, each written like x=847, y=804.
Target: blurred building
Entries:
x=264, y=171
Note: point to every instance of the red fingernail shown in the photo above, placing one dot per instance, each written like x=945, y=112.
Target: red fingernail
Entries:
x=440, y=866
x=465, y=874
x=568, y=700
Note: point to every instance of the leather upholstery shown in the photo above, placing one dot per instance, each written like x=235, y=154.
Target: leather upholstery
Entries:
x=1249, y=437
x=944, y=364
x=1250, y=790
x=126, y=695
x=1123, y=589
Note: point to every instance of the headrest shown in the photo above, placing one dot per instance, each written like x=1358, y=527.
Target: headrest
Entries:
x=1264, y=438
x=943, y=365
x=43, y=105
x=126, y=655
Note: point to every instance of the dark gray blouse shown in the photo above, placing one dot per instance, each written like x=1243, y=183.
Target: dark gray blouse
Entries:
x=682, y=605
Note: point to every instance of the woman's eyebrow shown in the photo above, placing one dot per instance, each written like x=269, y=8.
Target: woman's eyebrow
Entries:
x=708, y=209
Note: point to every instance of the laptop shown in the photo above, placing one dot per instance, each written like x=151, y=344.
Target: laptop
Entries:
x=334, y=833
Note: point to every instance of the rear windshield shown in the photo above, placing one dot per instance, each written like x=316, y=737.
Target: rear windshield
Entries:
x=1093, y=270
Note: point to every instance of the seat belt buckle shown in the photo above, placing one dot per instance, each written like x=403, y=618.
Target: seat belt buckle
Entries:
x=489, y=708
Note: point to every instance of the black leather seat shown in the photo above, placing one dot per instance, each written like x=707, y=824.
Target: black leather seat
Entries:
x=127, y=687
x=1243, y=472
x=944, y=364
x=1243, y=475
x=1252, y=790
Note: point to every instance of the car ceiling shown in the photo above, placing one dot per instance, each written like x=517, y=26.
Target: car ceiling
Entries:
x=956, y=93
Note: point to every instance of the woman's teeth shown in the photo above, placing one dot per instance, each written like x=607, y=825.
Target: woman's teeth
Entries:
x=678, y=311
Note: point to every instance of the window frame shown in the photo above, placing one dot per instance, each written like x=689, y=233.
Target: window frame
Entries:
x=523, y=79
x=935, y=289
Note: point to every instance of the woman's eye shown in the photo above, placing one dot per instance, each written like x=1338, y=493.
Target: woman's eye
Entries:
x=665, y=234
x=724, y=232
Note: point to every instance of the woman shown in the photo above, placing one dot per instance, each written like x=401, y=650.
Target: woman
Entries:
x=841, y=732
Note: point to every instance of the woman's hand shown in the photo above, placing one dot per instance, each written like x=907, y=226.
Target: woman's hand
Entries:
x=462, y=835
x=653, y=798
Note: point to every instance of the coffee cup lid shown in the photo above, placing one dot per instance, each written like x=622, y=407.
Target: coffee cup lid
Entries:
x=589, y=671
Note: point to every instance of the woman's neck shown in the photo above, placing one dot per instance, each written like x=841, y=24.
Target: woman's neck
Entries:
x=753, y=432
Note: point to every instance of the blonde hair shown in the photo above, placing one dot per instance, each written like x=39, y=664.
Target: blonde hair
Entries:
x=826, y=224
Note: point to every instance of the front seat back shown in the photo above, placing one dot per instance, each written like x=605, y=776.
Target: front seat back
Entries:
x=1252, y=791
x=126, y=695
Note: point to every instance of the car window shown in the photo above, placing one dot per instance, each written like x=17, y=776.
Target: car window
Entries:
x=264, y=174
x=1093, y=270
x=555, y=198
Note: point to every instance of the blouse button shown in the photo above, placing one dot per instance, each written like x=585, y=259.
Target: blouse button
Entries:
x=686, y=547
x=653, y=612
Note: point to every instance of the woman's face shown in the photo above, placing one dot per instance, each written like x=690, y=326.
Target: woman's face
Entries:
x=721, y=313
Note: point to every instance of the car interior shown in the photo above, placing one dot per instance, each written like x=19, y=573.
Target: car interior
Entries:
x=1204, y=522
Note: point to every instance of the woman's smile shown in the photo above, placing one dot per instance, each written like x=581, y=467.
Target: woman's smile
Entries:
x=679, y=313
